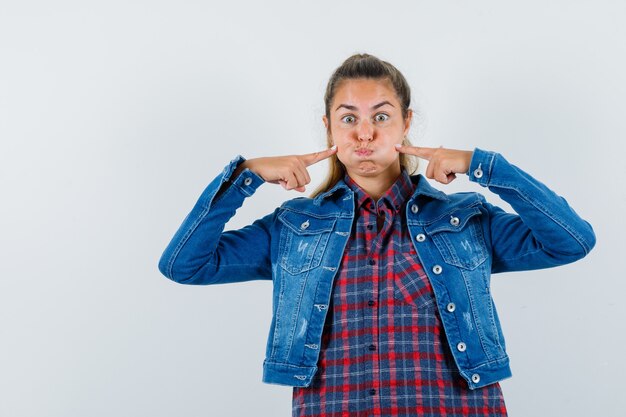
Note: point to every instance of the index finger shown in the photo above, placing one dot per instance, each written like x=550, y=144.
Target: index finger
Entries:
x=420, y=151
x=314, y=157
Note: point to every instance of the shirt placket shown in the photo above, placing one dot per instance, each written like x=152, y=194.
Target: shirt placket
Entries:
x=373, y=243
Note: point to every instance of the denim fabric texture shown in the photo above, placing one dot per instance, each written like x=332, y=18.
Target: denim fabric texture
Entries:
x=460, y=240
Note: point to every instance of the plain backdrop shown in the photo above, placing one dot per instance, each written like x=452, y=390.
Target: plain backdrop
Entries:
x=114, y=116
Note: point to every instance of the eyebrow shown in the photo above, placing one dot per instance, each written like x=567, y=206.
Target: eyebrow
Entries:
x=374, y=107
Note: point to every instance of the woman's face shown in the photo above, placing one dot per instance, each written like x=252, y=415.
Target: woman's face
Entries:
x=366, y=122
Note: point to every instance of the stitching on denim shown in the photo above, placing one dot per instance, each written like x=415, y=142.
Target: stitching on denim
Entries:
x=548, y=214
x=279, y=303
x=472, y=302
x=185, y=238
x=492, y=157
x=295, y=315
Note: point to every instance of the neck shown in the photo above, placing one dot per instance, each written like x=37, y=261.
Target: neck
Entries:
x=375, y=186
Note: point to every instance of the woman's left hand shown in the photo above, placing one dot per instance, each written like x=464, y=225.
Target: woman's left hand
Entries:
x=443, y=164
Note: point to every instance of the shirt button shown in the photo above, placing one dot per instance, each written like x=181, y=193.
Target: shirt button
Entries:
x=461, y=347
x=454, y=221
x=372, y=347
x=451, y=307
x=371, y=302
x=247, y=181
x=369, y=227
x=372, y=391
x=475, y=378
x=414, y=208
x=372, y=261
x=421, y=237
x=437, y=269
x=397, y=206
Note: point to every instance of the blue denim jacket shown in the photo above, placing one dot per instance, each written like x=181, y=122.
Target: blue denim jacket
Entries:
x=460, y=240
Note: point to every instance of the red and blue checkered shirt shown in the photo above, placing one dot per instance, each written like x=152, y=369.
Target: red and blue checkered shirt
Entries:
x=383, y=350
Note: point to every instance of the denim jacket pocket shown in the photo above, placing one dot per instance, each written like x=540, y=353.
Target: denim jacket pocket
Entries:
x=303, y=240
x=459, y=238
x=411, y=284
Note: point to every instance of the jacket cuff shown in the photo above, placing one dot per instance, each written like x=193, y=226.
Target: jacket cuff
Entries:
x=480, y=166
x=247, y=181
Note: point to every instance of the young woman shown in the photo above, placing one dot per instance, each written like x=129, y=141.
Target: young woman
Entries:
x=381, y=300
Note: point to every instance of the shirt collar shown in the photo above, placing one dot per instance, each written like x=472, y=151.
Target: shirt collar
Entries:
x=393, y=197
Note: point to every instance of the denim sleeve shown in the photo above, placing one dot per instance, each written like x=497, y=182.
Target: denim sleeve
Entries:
x=546, y=232
x=202, y=253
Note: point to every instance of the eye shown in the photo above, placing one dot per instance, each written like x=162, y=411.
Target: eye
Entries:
x=345, y=117
x=385, y=117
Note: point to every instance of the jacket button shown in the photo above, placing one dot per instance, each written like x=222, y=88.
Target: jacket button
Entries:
x=414, y=208
x=421, y=237
x=475, y=378
x=372, y=347
x=461, y=347
x=371, y=302
x=454, y=221
x=372, y=261
x=478, y=172
x=304, y=225
x=247, y=181
x=437, y=269
x=451, y=307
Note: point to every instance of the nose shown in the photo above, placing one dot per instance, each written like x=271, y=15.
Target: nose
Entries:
x=365, y=131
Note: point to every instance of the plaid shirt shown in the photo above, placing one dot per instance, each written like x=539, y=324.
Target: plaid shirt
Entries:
x=383, y=349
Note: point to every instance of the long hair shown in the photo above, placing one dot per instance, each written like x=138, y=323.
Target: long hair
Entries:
x=355, y=67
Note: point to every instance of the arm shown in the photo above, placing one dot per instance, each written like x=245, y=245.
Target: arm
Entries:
x=545, y=233
x=201, y=253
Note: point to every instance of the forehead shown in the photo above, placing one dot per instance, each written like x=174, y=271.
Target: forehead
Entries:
x=364, y=92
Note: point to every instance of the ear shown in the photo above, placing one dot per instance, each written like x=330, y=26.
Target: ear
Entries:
x=407, y=122
x=325, y=120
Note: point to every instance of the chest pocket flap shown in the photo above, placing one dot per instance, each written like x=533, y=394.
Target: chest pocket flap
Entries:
x=459, y=237
x=303, y=240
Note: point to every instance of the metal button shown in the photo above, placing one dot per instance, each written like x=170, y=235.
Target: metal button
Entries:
x=414, y=208
x=437, y=269
x=247, y=181
x=478, y=172
x=421, y=237
x=451, y=307
x=454, y=221
x=461, y=347
x=304, y=225
x=475, y=378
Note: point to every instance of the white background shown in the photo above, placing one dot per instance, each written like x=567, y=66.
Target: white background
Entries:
x=115, y=115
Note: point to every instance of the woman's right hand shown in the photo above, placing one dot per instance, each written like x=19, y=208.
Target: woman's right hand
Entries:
x=289, y=171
